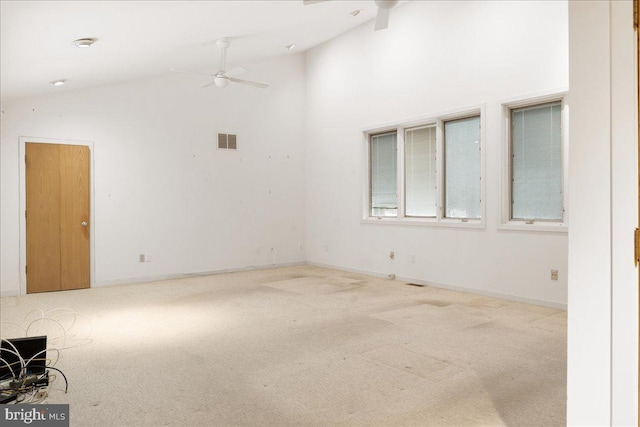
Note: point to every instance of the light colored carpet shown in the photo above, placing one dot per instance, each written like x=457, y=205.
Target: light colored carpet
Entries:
x=306, y=346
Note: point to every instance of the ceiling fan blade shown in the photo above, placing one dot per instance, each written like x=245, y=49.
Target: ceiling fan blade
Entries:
x=382, y=19
x=236, y=71
x=208, y=84
x=176, y=70
x=250, y=83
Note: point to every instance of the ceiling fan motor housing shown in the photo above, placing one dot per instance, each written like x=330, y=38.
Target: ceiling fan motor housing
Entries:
x=223, y=43
x=221, y=81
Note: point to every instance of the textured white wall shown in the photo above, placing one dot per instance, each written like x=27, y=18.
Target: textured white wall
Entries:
x=624, y=197
x=602, y=382
x=589, y=317
x=436, y=56
x=161, y=186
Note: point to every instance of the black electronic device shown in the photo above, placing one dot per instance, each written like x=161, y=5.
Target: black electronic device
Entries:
x=28, y=348
x=8, y=396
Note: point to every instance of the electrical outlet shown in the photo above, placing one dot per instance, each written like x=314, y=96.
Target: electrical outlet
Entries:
x=413, y=259
x=141, y=258
x=554, y=274
x=147, y=258
x=392, y=255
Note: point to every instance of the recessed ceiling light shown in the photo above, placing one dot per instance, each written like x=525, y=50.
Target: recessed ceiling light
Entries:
x=58, y=82
x=355, y=12
x=84, y=43
x=290, y=46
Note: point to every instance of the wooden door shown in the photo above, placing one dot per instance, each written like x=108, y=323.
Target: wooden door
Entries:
x=57, y=202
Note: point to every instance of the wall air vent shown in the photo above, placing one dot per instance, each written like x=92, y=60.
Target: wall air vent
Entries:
x=227, y=141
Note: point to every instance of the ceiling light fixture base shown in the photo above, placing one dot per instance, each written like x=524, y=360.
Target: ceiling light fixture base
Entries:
x=84, y=43
x=223, y=42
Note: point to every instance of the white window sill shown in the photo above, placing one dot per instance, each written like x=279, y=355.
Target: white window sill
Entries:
x=540, y=226
x=426, y=222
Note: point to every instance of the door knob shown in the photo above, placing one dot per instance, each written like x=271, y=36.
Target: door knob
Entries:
x=84, y=223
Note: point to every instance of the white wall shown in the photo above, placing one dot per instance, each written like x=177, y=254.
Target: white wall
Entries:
x=161, y=186
x=436, y=56
x=602, y=382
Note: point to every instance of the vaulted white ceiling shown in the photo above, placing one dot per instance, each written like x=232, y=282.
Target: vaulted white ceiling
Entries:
x=138, y=39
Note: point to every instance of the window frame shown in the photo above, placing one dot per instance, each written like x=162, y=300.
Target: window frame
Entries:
x=404, y=166
x=370, y=172
x=507, y=222
x=444, y=172
x=400, y=127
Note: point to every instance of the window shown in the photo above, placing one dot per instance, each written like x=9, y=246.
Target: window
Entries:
x=536, y=163
x=420, y=172
x=383, y=175
x=427, y=171
x=462, y=168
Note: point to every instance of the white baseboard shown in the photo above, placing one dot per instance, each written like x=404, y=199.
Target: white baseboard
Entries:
x=499, y=295
x=157, y=278
x=10, y=293
x=132, y=280
x=143, y=279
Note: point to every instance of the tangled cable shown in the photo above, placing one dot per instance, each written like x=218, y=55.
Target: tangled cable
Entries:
x=65, y=328
x=22, y=381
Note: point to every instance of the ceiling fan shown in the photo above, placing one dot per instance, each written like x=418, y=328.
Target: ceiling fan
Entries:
x=222, y=78
x=382, y=18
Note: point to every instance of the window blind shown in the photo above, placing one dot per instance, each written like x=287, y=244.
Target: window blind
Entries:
x=536, y=168
x=462, y=168
x=383, y=169
x=420, y=172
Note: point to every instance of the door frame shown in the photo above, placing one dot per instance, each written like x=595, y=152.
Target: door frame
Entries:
x=23, y=204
